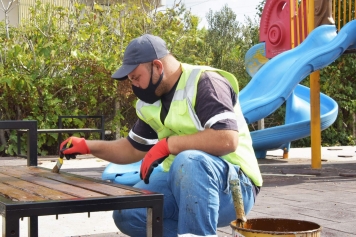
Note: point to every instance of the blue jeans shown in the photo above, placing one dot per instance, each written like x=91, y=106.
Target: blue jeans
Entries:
x=197, y=198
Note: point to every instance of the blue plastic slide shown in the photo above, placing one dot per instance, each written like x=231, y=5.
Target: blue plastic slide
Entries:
x=278, y=80
x=272, y=84
x=297, y=122
x=125, y=174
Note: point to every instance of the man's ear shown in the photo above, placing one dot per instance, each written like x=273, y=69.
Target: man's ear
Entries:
x=159, y=65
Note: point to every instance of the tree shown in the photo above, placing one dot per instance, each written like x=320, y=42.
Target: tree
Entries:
x=227, y=41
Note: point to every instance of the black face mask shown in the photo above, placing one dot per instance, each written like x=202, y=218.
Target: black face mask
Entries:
x=148, y=95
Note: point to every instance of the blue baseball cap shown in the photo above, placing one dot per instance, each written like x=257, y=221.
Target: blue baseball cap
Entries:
x=143, y=49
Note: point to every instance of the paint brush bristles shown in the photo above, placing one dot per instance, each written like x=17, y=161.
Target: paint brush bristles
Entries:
x=59, y=163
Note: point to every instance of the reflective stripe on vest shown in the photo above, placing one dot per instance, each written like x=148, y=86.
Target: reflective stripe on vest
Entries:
x=187, y=93
x=218, y=117
x=140, y=104
x=142, y=140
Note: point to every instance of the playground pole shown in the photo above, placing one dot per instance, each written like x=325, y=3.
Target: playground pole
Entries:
x=314, y=102
x=315, y=119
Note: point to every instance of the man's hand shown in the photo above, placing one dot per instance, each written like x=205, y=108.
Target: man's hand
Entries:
x=153, y=158
x=77, y=146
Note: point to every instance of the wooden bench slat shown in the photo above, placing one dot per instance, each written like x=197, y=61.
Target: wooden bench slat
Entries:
x=49, y=183
x=81, y=182
x=18, y=195
x=35, y=189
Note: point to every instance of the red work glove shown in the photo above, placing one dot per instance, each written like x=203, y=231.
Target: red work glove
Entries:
x=77, y=146
x=153, y=158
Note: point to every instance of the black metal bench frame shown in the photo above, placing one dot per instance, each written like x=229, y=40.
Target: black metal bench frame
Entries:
x=60, y=130
x=30, y=127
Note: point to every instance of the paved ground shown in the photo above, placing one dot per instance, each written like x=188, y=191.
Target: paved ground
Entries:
x=291, y=190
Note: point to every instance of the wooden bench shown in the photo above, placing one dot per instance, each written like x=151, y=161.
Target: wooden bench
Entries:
x=100, y=129
x=30, y=191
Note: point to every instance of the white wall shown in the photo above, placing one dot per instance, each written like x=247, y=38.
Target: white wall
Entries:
x=12, y=14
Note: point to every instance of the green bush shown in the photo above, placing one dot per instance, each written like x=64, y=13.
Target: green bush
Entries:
x=59, y=61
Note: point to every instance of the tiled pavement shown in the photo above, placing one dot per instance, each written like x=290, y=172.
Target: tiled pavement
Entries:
x=292, y=190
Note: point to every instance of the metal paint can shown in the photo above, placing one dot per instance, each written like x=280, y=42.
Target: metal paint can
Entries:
x=276, y=227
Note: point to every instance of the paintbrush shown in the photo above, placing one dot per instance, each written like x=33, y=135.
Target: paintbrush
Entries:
x=238, y=202
x=59, y=163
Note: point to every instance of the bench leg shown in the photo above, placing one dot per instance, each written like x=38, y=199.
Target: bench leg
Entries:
x=32, y=145
x=10, y=226
x=154, y=226
x=18, y=144
x=33, y=226
x=59, y=142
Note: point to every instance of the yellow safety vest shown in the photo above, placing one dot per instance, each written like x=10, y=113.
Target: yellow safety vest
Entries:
x=182, y=119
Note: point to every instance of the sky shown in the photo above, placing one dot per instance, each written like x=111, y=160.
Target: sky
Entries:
x=200, y=8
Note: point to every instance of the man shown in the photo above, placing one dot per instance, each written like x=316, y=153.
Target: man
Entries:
x=190, y=120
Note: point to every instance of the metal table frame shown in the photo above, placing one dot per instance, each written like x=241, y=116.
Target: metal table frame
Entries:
x=100, y=129
x=31, y=127
x=12, y=211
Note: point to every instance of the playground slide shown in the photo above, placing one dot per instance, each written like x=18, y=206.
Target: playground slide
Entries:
x=297, y=122
x=278, y=80
x=270, y=87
